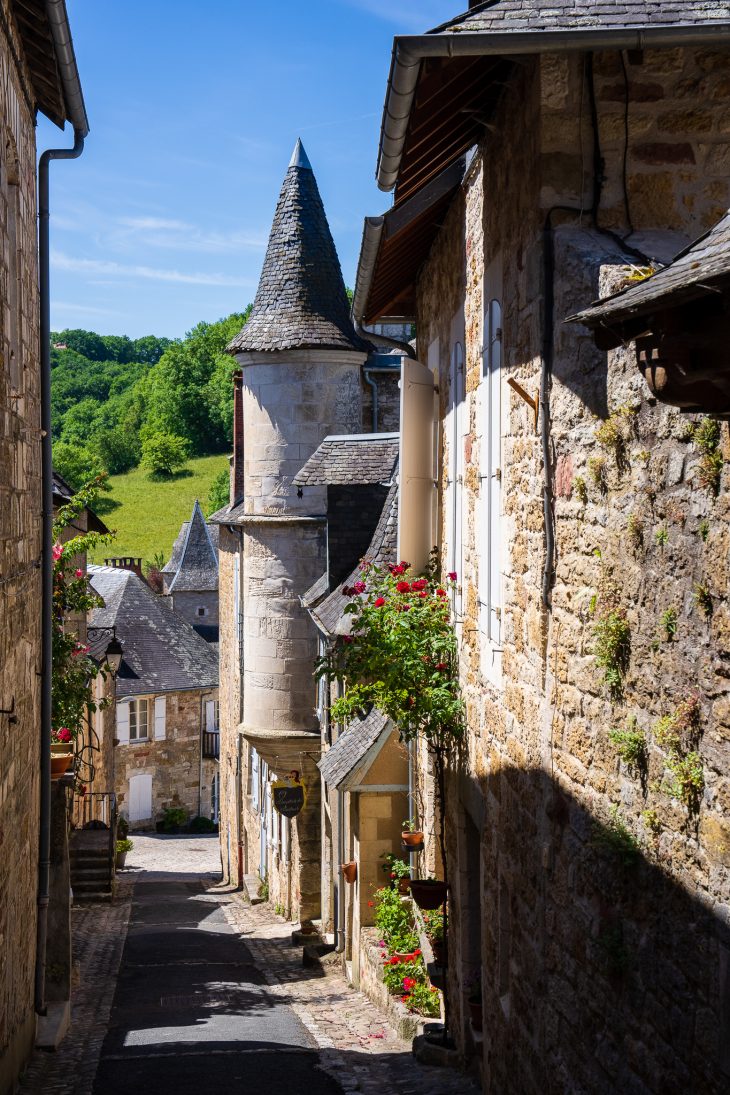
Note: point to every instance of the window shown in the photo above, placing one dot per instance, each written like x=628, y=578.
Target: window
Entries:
x=490, y=554
x=253, y=778
x=455, y=429
x=211, y=716
x=137, y=720
x=202, y=611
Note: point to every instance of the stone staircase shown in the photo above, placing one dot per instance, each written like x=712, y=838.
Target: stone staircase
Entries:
x=92, y=869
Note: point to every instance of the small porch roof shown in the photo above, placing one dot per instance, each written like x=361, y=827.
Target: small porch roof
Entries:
x=347, y=762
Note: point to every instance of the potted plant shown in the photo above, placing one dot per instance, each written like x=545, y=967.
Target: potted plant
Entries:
x=434, y=922
x=428, y=893
x=173, y=819
x=411, y=836
x=474, y=1001
x=397, y=871
x=122, y=847
x=349, y=871
x=61, y=751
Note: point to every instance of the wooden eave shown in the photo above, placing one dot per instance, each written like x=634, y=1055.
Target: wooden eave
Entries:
x=40, y=56
x=454, y=101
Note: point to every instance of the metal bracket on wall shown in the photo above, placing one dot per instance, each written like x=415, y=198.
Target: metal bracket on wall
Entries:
x=533, y=402
x=10, y=711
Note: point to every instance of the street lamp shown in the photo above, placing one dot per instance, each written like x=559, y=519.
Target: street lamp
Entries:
x=114, y=651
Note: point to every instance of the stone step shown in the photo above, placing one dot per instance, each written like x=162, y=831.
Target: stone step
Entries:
x=84, y=885
x=89, y=873
x=89, y=896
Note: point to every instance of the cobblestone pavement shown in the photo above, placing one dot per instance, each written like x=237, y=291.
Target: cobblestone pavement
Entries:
x=356, y=1046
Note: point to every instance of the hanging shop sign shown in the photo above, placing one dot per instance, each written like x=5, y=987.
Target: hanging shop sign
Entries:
x=288, y=795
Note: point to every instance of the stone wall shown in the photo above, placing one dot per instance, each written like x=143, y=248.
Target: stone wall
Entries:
x=352, y=516
x=20, y=546
x=230, y=712
x=592, y=892
x=188, y=604
x=173, y=762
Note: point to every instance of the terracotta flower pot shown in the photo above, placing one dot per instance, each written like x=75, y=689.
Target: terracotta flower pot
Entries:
x=412, y=839
x=428, y=893
x=349, y=871
x=60, y=763
x=475, y=1013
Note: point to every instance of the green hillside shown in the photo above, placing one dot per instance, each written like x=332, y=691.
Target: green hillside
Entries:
x=147, y=514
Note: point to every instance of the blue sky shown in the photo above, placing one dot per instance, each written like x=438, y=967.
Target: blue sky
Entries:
x=194, y=111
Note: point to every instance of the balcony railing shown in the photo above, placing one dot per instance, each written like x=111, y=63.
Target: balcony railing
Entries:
x=211, y=744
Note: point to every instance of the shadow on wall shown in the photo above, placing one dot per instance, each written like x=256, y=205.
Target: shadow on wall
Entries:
x=600, y=972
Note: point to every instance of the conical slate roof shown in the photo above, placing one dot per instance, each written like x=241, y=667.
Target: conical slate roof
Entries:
x=198, y=566
x=301, y=301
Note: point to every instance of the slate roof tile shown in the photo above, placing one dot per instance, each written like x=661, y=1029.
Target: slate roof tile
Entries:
x=197, y=566
x=704, y=262
x=526, y=16
x=162, y=653
x=351, y=747
x=357, y=459
x=301, y=300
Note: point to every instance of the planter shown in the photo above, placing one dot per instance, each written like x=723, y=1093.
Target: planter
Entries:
x=60, y=763
x=120, y=860
x=349, y=871
x=412, y=839
x=408, y=848
x=475, y=1014
x=439, y=951
x=428, y=893
x=404, y=885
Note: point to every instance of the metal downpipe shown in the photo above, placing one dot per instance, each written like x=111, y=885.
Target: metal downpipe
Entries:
x=44, y=839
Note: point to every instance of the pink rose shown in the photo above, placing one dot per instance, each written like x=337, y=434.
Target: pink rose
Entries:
x=359, y=587
x=57, y=550
x=79, y=573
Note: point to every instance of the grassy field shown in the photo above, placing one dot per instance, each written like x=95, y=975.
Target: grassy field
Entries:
x=147, y=514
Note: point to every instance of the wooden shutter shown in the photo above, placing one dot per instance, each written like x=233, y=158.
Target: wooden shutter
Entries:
x=123, y=722
x=416, y=486
x=490, y=421
x=210, y=720
x=254, y=769
x=160, y=716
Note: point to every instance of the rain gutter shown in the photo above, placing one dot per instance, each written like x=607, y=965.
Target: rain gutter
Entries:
x=74, y=100
x=410, y=50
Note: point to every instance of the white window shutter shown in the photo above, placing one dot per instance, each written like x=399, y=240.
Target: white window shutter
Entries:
x=123, y=723
x=210, y=716
x=416, y=491
x=160, y=716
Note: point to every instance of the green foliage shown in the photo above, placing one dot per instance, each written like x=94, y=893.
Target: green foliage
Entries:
x=706, y=436
x=433, y=920
x=394, y=921
x=163, y=453
x=73, y=669
x=202, y=824
x=687, y=779
x=652, y=821
x=263, y=890
x=680, y=733
x=635, y=532
x=669, y=623
x=631, y=746
x=423, y=999
x=219, y=494
x=597, y=473
x=174, y=817
x=661, y=536
x=118, y=449
x=614, y=433
x=612, y=649
x=76, y=463
x=680, y=730
x=580, y=488
x=395, y=868
x=703, y=599
x=704, y=530
x=124, y=845
x=616, y=839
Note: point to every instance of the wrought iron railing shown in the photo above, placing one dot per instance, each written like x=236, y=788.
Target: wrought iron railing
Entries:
x=211, y=744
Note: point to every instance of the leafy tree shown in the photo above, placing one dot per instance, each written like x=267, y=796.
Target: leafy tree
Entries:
x=87, y=343
x=149, y=349
x=220, y=492
x=118, y=449
x=163, y=453
x=77, y=464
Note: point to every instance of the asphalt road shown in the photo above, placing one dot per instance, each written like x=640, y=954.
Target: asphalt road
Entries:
x=192, y=1014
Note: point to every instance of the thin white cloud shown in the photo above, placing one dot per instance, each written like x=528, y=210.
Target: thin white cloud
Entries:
x=61, y=261
x=176, y=235
x=69, y=306
x=155, y=223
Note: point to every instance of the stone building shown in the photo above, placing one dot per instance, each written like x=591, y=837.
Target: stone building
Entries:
x=190, y=576
x=543, y=158
x=38, y=73
x=302, y=377
x=166, y=744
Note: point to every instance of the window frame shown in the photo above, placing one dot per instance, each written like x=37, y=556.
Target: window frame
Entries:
x=139, y=703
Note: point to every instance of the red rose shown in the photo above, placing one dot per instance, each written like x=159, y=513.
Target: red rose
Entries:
x=379, y=602
x=403, y=587
x=420, y=583
x=347, y=638
x=440, y=592
x=423, y=596
x=451, y=575
x=79, y=573
x=442, y=666
x=359, y=587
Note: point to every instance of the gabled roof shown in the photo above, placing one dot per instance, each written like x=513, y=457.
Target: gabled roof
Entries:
x=329, y=614
x=444, y=84
x=301, y=300
x=194, y=561
x=162, y=653
x=350, y=751
x=351, y=459
x=697, y=270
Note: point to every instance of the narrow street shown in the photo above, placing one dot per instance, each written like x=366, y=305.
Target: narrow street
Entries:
x=182, y=987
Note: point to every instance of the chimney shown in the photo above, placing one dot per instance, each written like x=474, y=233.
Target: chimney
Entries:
x=126, y=562
x=237, y=474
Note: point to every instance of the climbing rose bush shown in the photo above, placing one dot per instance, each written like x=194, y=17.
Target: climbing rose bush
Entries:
x=73, y=669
